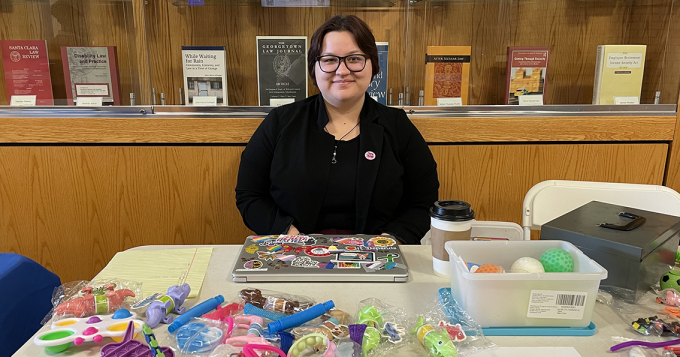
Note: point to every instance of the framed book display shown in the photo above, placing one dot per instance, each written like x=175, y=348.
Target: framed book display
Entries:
x=91, y=72
x=27, y=71
x=447, y=75
x=526, y=75
x=281, y=69
x=205, y=75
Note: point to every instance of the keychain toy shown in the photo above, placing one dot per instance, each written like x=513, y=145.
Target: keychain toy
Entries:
x=272, y=303
x=160, y=309
x=437, y=343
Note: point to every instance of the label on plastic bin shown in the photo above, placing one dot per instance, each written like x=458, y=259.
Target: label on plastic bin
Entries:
x=551, y=304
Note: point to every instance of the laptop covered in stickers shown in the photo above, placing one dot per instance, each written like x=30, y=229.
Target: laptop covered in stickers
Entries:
x=320, y=258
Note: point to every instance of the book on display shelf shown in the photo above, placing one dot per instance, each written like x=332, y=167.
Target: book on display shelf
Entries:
x=205, y=75
x=281, y=69
x=91, y=72
x=619, y=70
x=526, y=75
x=378, y=87
x=447, y=75
x=27, y=72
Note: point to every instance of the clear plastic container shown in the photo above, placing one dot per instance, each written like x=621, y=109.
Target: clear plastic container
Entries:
x=523, y=299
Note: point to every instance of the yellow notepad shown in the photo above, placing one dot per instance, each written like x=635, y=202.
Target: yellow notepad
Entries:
x=157, y=270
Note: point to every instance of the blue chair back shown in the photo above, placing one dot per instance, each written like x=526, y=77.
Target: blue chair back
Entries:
x=25, y=298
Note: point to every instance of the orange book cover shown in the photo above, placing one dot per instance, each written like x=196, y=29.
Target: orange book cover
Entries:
x=447, y=75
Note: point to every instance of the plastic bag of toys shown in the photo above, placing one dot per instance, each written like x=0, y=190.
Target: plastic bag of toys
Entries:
x=198, y=337
x=276, y=302
x=446, y=328
x=670, y=297
x=646, y=319
x=98, y=297
x=385, y=328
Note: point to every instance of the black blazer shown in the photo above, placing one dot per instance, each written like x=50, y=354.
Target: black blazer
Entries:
x=285, y=168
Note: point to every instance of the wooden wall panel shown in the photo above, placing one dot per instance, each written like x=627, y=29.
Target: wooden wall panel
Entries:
x=74, y=23
x=202, y=130
x=73, y=208
x=495, y=178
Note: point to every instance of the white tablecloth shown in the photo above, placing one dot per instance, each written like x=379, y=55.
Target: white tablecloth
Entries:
x=419, y=292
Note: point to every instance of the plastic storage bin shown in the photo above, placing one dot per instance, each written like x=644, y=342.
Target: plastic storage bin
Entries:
x=523, y=299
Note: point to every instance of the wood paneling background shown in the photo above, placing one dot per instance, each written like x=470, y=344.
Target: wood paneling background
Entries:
x=149, y=35
x=204, y=130
x=235, y=25
x=75, y=23
x=71, y=208
x=571, y=28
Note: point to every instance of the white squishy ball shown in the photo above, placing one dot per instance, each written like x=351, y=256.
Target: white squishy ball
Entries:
x=527, y=265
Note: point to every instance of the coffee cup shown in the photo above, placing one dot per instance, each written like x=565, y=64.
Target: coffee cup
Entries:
x=449, y=220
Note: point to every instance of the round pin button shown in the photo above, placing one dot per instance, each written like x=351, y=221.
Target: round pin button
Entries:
x=370, y=155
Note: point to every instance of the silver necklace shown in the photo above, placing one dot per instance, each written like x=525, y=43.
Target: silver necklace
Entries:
x=335, y=149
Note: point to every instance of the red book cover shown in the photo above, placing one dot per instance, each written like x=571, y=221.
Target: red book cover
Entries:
x=527, y=72
x=91, y=72
x=27, y=70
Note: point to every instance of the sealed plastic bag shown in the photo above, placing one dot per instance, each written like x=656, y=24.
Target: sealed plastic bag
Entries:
x=98, y=297
x=386, y=327
x=466, y=334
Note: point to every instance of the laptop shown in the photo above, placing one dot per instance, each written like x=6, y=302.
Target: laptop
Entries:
x=320, y=258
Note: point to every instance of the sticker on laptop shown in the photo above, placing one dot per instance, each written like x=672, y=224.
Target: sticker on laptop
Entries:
x=251, y=249
x=253, y=264
x=263, y=238
x=267, y=255
x=346, y=265
x=305, y=240
x=382, y=242
x=275, y=248
x=389, y=258
x=317, y=251
x=277, y=264
x=304, y=262
x=359, y=257
x=349, y=241
x=285, y=258
x=326, y=265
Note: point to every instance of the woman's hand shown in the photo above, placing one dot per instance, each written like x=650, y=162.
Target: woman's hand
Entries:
x=292, y=230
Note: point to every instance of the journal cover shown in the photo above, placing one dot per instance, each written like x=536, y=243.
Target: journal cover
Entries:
x=27, y=70
x=205, y=73
x=281, y=69
x=619, y=71
x=91, y=72
x=447, y=75
x=378, y=88
x=526, y=73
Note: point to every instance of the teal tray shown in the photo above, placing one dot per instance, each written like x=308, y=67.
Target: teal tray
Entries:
x=445, y=294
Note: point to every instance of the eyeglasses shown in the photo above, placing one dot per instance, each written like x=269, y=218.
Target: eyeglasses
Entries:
x=330, y=63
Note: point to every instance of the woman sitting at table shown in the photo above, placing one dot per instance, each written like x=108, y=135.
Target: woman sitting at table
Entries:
x=338, y=162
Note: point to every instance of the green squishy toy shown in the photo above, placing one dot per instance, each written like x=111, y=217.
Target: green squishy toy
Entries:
x=438, y=344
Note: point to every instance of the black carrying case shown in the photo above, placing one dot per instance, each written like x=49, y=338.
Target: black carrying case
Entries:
x=636, y=247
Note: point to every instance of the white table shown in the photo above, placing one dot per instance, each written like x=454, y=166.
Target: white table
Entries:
x=419, y=292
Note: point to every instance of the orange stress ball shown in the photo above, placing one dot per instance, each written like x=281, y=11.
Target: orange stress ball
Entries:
x=490, y=268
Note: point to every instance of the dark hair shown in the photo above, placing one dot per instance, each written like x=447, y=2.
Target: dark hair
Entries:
x=354, y=25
